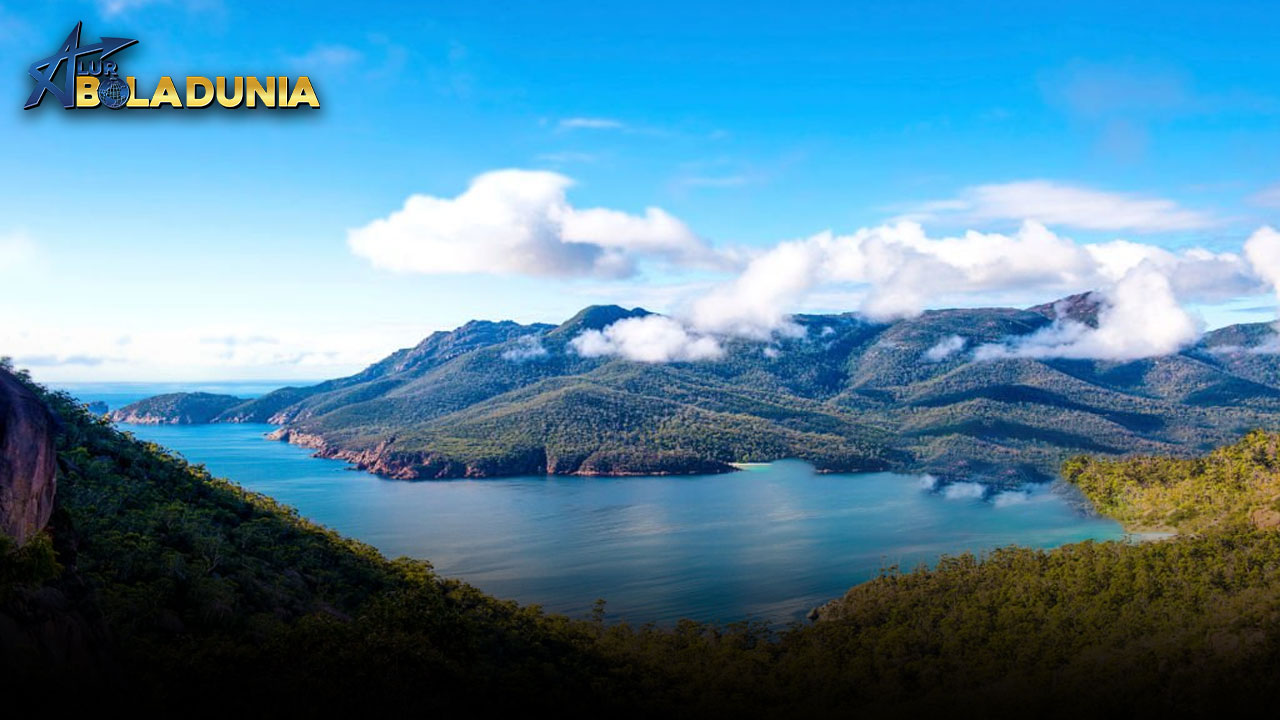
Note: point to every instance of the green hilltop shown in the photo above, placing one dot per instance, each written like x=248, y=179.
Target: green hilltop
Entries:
x=501, y=398
x=157, y=586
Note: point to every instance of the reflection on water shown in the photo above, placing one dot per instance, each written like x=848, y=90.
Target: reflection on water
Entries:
x=769, y=542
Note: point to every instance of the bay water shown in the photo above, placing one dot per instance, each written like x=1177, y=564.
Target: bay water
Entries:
x=767, y=543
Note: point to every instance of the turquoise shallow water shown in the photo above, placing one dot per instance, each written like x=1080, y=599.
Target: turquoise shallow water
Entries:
x=768, y=543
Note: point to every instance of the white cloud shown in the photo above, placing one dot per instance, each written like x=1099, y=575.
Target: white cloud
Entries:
x=1011, y=497
x=519, y=222
x=526, y=348
x=1072, y=206
x=898, y=271
x=1263, y=251
x=653, y=338
x=1140, y=317
x=945, y=348
x=903, y=271
x=590, y=123
x=964, y=491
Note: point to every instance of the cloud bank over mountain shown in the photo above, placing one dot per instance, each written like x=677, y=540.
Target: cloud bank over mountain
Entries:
x=1139, y=317
x=521, y=222
x=653, y=338
x=904, y=271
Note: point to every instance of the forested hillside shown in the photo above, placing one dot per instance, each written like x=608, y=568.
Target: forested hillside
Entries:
x=157, y=584
x=848, y=394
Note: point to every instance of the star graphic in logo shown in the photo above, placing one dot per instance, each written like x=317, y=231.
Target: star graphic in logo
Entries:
x=44, y=70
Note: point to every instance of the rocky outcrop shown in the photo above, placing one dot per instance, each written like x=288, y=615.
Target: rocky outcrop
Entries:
x=27, y=460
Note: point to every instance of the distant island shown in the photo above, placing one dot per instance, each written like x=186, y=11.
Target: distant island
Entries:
x=196, y=408
x=845, y=394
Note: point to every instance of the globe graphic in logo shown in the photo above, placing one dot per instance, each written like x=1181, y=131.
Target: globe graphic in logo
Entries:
x=113, y=92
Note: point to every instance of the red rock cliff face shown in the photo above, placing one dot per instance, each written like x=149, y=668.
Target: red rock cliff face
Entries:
x=26, y=460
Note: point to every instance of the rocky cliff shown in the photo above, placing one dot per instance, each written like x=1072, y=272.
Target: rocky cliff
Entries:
x=27, y=460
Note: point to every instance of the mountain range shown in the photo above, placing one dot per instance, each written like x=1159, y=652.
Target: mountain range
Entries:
x=848, y=394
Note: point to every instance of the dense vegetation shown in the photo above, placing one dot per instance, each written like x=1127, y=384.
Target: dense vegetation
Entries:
x=1233, y=486
x=177, y=409
x=158, y=583
x=503, y=398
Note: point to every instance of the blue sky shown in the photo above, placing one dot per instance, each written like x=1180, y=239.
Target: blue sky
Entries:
x=751, y=123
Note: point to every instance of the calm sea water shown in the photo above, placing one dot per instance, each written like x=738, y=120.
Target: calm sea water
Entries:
x=767, y=543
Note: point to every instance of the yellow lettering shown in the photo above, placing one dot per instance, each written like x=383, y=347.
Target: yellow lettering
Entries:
x=254, y=91
x=166, y=94
x=135, y=101
x=303, y=94
x=86, y=91
x=234, y=100
x=194, y=100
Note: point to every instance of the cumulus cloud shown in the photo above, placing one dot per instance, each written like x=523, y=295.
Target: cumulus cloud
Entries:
x=945, y=348
x=526, y=348
x=899, y=271
x=1055, y=203
x=902, y=270
x=1140, y=317
x=1263, y=251
x=653, y=338
x=520, y=222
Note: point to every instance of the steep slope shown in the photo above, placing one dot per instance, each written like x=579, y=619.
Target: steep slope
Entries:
x=396, y=369
x=849, y=394
x=27, y=479
x=159, y=586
